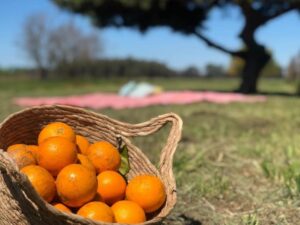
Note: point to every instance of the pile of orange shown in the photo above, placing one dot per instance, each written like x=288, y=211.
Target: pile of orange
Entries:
x=77, y=176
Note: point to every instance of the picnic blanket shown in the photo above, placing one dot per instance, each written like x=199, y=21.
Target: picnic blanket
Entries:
x=110, y=100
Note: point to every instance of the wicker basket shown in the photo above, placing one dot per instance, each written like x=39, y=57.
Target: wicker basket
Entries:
x=20, y=204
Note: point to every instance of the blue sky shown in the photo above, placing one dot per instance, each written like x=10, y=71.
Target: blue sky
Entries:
x=176, y=50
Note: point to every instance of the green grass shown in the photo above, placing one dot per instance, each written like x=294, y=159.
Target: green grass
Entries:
x=236, y=164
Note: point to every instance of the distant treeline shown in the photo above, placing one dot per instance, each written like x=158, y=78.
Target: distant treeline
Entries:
x=133, y=68
x=106, y=68
x=109, y=68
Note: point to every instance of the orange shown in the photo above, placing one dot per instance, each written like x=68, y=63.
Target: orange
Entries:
x=21, y=156
x=128, y=212
x=16, y=147
x=98, y=211
x=76, y=185
x=148, y=191
x=55, y=153
x=56, y=129
x=34, y=149
x=84, y=160
x=111, y=187
x=82, y=143
x=104, y=156
x=62, y=207
x=41, y=180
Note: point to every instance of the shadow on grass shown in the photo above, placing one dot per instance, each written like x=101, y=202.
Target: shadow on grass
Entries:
x=189, y=220
x=281, y=94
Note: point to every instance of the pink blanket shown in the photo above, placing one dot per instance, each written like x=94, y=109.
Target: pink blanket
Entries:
x=107, y=100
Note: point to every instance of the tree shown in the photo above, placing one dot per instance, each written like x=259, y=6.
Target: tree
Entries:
x=191, y=71
x=52, y=47
x=293, y=72
x=34, y=42
x=213, y=70
x=187, y=17
x=272, y=69
x=68, y=44
x=235, y=67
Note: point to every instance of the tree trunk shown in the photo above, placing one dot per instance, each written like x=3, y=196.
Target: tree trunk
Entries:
x=256, y=58
x=43, y=73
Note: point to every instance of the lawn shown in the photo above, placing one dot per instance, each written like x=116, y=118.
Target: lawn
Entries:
x=236, y=164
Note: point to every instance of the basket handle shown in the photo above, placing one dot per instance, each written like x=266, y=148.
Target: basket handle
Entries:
x=153, y=125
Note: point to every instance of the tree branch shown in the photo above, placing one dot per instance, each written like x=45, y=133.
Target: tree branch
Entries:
x=217, y=46
x=292, y=6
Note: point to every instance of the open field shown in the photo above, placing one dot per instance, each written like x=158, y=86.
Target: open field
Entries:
x=237, y=163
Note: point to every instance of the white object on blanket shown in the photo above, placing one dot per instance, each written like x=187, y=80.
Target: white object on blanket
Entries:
x=127, y=88
x=138, y=90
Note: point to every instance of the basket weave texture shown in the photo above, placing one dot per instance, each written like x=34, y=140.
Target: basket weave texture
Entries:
x=21, y=205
